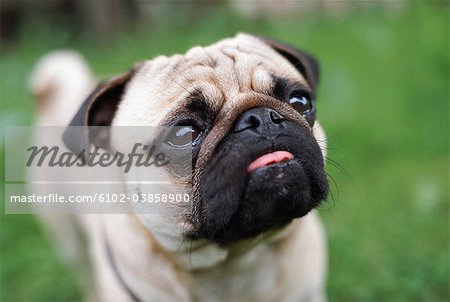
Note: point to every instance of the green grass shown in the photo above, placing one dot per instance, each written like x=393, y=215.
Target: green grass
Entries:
x=384, y=102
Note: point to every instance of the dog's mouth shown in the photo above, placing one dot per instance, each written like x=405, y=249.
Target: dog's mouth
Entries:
x=269, y=159
x=262, y=193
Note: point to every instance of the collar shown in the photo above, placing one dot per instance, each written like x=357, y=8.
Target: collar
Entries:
x=116, y=271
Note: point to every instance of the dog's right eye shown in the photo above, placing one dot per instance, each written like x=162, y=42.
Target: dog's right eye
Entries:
x=301, y=102
x=181, y=137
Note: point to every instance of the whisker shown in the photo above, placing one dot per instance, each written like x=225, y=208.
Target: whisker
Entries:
x=179, y=84
x=335, y=185
x=344, y=172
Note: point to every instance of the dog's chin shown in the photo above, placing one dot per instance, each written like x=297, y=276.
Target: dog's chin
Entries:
x=271, y=197
x=278, y=191
x=274, y=196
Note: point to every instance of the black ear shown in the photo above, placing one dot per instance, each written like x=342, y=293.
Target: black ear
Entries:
x=306, y=64
x=95, y=112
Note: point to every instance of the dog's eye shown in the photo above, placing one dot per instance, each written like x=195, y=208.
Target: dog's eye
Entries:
x=183, y=136
x=301, y=102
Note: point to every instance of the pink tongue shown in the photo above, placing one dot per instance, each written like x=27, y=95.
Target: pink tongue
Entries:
x=269, y=158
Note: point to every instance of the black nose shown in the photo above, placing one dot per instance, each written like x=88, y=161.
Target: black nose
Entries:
x=257, y=119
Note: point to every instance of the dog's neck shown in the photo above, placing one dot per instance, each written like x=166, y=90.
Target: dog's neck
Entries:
x=202, y=254
x=187, y=271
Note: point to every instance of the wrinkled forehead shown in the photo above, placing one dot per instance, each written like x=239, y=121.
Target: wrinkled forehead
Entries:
x=236, y=65
x=221, y=72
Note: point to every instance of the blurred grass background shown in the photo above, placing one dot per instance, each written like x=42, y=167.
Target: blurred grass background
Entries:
x=383, y=101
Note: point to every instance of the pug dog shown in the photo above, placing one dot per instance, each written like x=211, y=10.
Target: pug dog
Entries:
x=250, y=231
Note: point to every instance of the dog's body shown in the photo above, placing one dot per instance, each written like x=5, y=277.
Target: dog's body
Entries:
x=219, y=247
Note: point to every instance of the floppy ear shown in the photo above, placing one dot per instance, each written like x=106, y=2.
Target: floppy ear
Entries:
x=306, y=64
x=95, y=112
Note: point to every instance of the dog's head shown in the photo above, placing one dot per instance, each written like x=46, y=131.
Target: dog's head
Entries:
x=248, y=103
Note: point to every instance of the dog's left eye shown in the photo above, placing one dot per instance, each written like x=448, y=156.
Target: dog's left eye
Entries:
x=301, y=102
x=182, y=136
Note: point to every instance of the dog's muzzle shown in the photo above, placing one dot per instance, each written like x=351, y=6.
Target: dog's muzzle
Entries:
x=264, y=173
